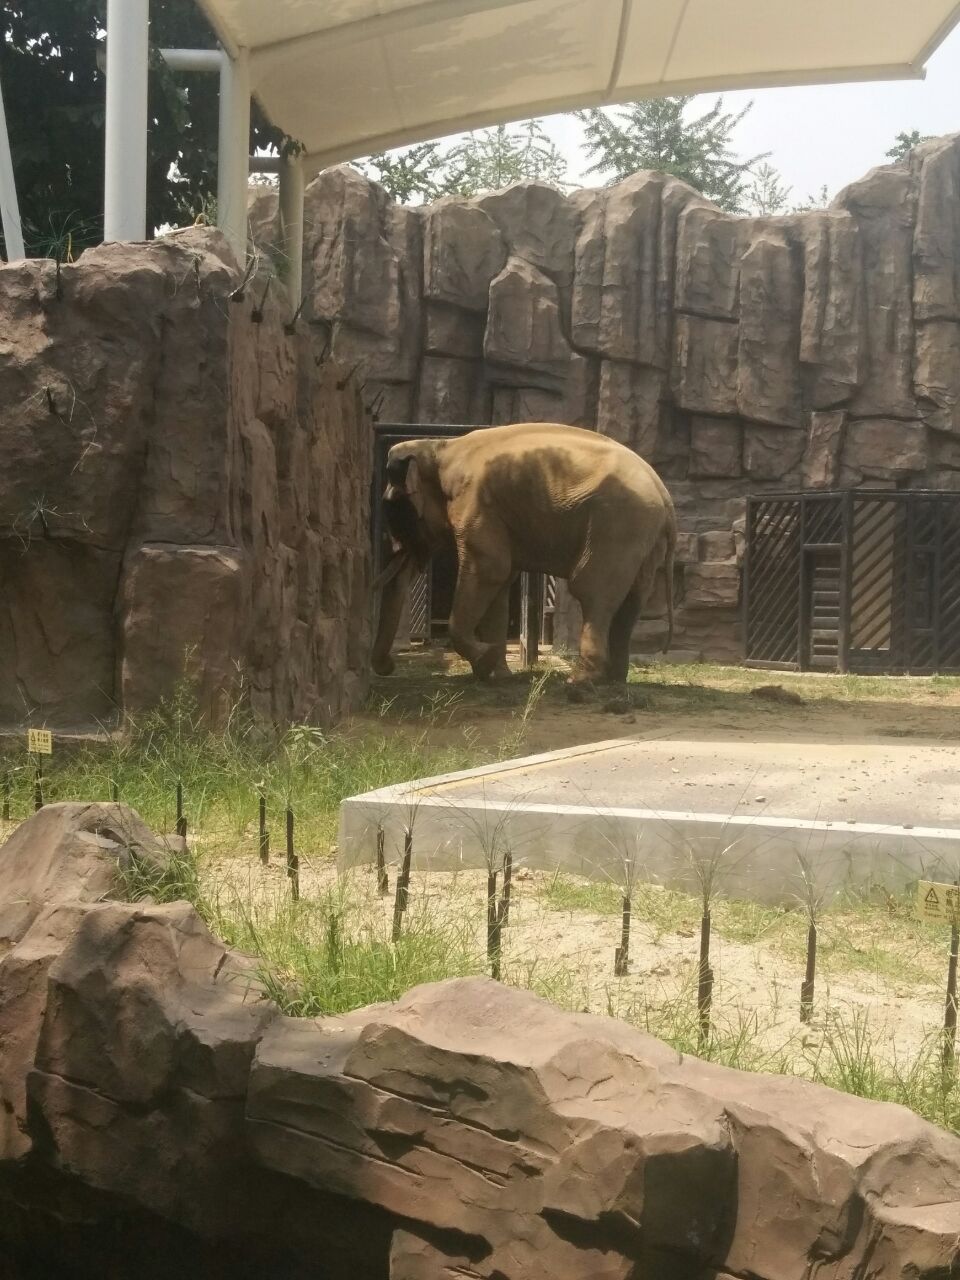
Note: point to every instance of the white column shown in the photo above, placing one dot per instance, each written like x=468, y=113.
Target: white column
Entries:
x=234, y=147
x=125, y=179
x=291, y=225
x=9, y=207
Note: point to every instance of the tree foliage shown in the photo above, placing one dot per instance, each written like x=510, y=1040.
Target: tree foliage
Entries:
x=766, y=193
x=54, y=99
x=488, y=159
x=483, y=160
x=410, y=175
x=658, y=133
x=904, y=143
x=819, y=200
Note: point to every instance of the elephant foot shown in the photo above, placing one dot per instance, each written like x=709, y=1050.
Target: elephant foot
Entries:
x=583, y=678
x=489, y=662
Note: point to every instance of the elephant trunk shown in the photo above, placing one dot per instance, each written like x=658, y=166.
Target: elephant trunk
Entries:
x=396, y=583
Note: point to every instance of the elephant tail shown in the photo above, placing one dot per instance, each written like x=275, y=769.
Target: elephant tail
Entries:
x=668, y=583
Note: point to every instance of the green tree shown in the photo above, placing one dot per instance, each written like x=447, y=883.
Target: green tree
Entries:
x=54, y=99
x=905, y=143
x=818, y=201
x=410, y=174
x=659, y=134
x=483, y=160
x=488, y=159
x=766, y=193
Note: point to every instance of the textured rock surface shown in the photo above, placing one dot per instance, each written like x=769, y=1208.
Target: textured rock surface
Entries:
x=469, y=1130
x=814, y=349
x=184, y=489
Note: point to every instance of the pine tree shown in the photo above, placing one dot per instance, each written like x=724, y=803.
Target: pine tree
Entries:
x=658, y=134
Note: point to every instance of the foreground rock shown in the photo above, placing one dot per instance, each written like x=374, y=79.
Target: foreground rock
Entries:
x=468, y=1131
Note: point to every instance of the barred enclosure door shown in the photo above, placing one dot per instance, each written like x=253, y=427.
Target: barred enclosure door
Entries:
x=822, y=574
x=878, y=599
x=947, y=586
x=420, y=606
x=772, y=595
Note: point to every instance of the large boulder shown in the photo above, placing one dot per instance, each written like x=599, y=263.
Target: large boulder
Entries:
x=141, y=1067
x=515, y=1141
x=53, y=869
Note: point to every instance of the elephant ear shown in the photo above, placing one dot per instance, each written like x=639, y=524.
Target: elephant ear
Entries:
x=403, y=481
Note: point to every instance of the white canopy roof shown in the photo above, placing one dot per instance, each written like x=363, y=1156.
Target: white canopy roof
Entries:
x=348, y=77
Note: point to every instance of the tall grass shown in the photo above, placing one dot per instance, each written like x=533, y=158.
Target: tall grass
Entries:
x=224, y=772
x=333, y=951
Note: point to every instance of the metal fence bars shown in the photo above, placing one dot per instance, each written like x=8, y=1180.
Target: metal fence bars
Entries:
x=857, y=580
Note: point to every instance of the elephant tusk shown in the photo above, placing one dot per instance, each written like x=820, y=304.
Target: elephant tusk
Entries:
x=396, y=563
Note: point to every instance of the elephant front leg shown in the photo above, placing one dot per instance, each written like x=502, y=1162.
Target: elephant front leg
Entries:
x=472, y=601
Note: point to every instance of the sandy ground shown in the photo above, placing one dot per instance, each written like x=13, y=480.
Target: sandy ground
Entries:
x=880, y=976
x=882, y=983
x=697, y=704
x=879, y=969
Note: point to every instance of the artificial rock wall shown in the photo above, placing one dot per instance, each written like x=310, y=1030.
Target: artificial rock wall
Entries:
x=737, y=355
x=184, y=480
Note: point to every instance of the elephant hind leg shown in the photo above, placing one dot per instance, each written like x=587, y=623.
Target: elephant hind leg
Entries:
x=621, y=632
x=603, y=591
x=494, y=627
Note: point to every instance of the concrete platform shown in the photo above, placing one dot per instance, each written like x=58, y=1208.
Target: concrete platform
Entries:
x=666, y=810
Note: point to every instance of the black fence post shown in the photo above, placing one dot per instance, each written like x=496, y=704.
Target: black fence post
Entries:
x=181, y=820
x=263, y=835
x=293, y=862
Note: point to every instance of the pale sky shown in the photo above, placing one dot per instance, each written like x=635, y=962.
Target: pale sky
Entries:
x=828, y=133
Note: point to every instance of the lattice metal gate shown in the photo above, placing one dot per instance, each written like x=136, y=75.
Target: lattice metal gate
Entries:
x=538, y=593
x=853, y=580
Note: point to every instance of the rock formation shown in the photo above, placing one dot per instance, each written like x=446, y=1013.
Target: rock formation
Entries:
x=184, y=489
x=737, y=355
x=469, y=1130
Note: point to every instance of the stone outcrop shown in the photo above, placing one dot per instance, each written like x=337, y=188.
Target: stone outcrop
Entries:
x=737, y=355
x=468, y=1130
x=184, y=490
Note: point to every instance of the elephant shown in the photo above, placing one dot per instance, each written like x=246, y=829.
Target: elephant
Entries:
x=539, y=497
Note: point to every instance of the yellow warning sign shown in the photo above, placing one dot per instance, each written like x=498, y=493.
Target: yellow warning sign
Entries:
x=939, y=903
x=40, y=742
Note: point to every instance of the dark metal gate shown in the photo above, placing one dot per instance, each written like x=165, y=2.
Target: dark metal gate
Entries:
x=434, y=585
x=854, y=580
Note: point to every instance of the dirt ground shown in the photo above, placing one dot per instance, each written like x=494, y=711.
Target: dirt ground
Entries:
x=433, y=693
x=880, y=978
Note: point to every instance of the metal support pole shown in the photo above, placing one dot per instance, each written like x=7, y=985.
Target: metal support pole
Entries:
x=193, y=59
x=9, y=207
x=234, y=146
x=125, y=177
x=291, y=225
